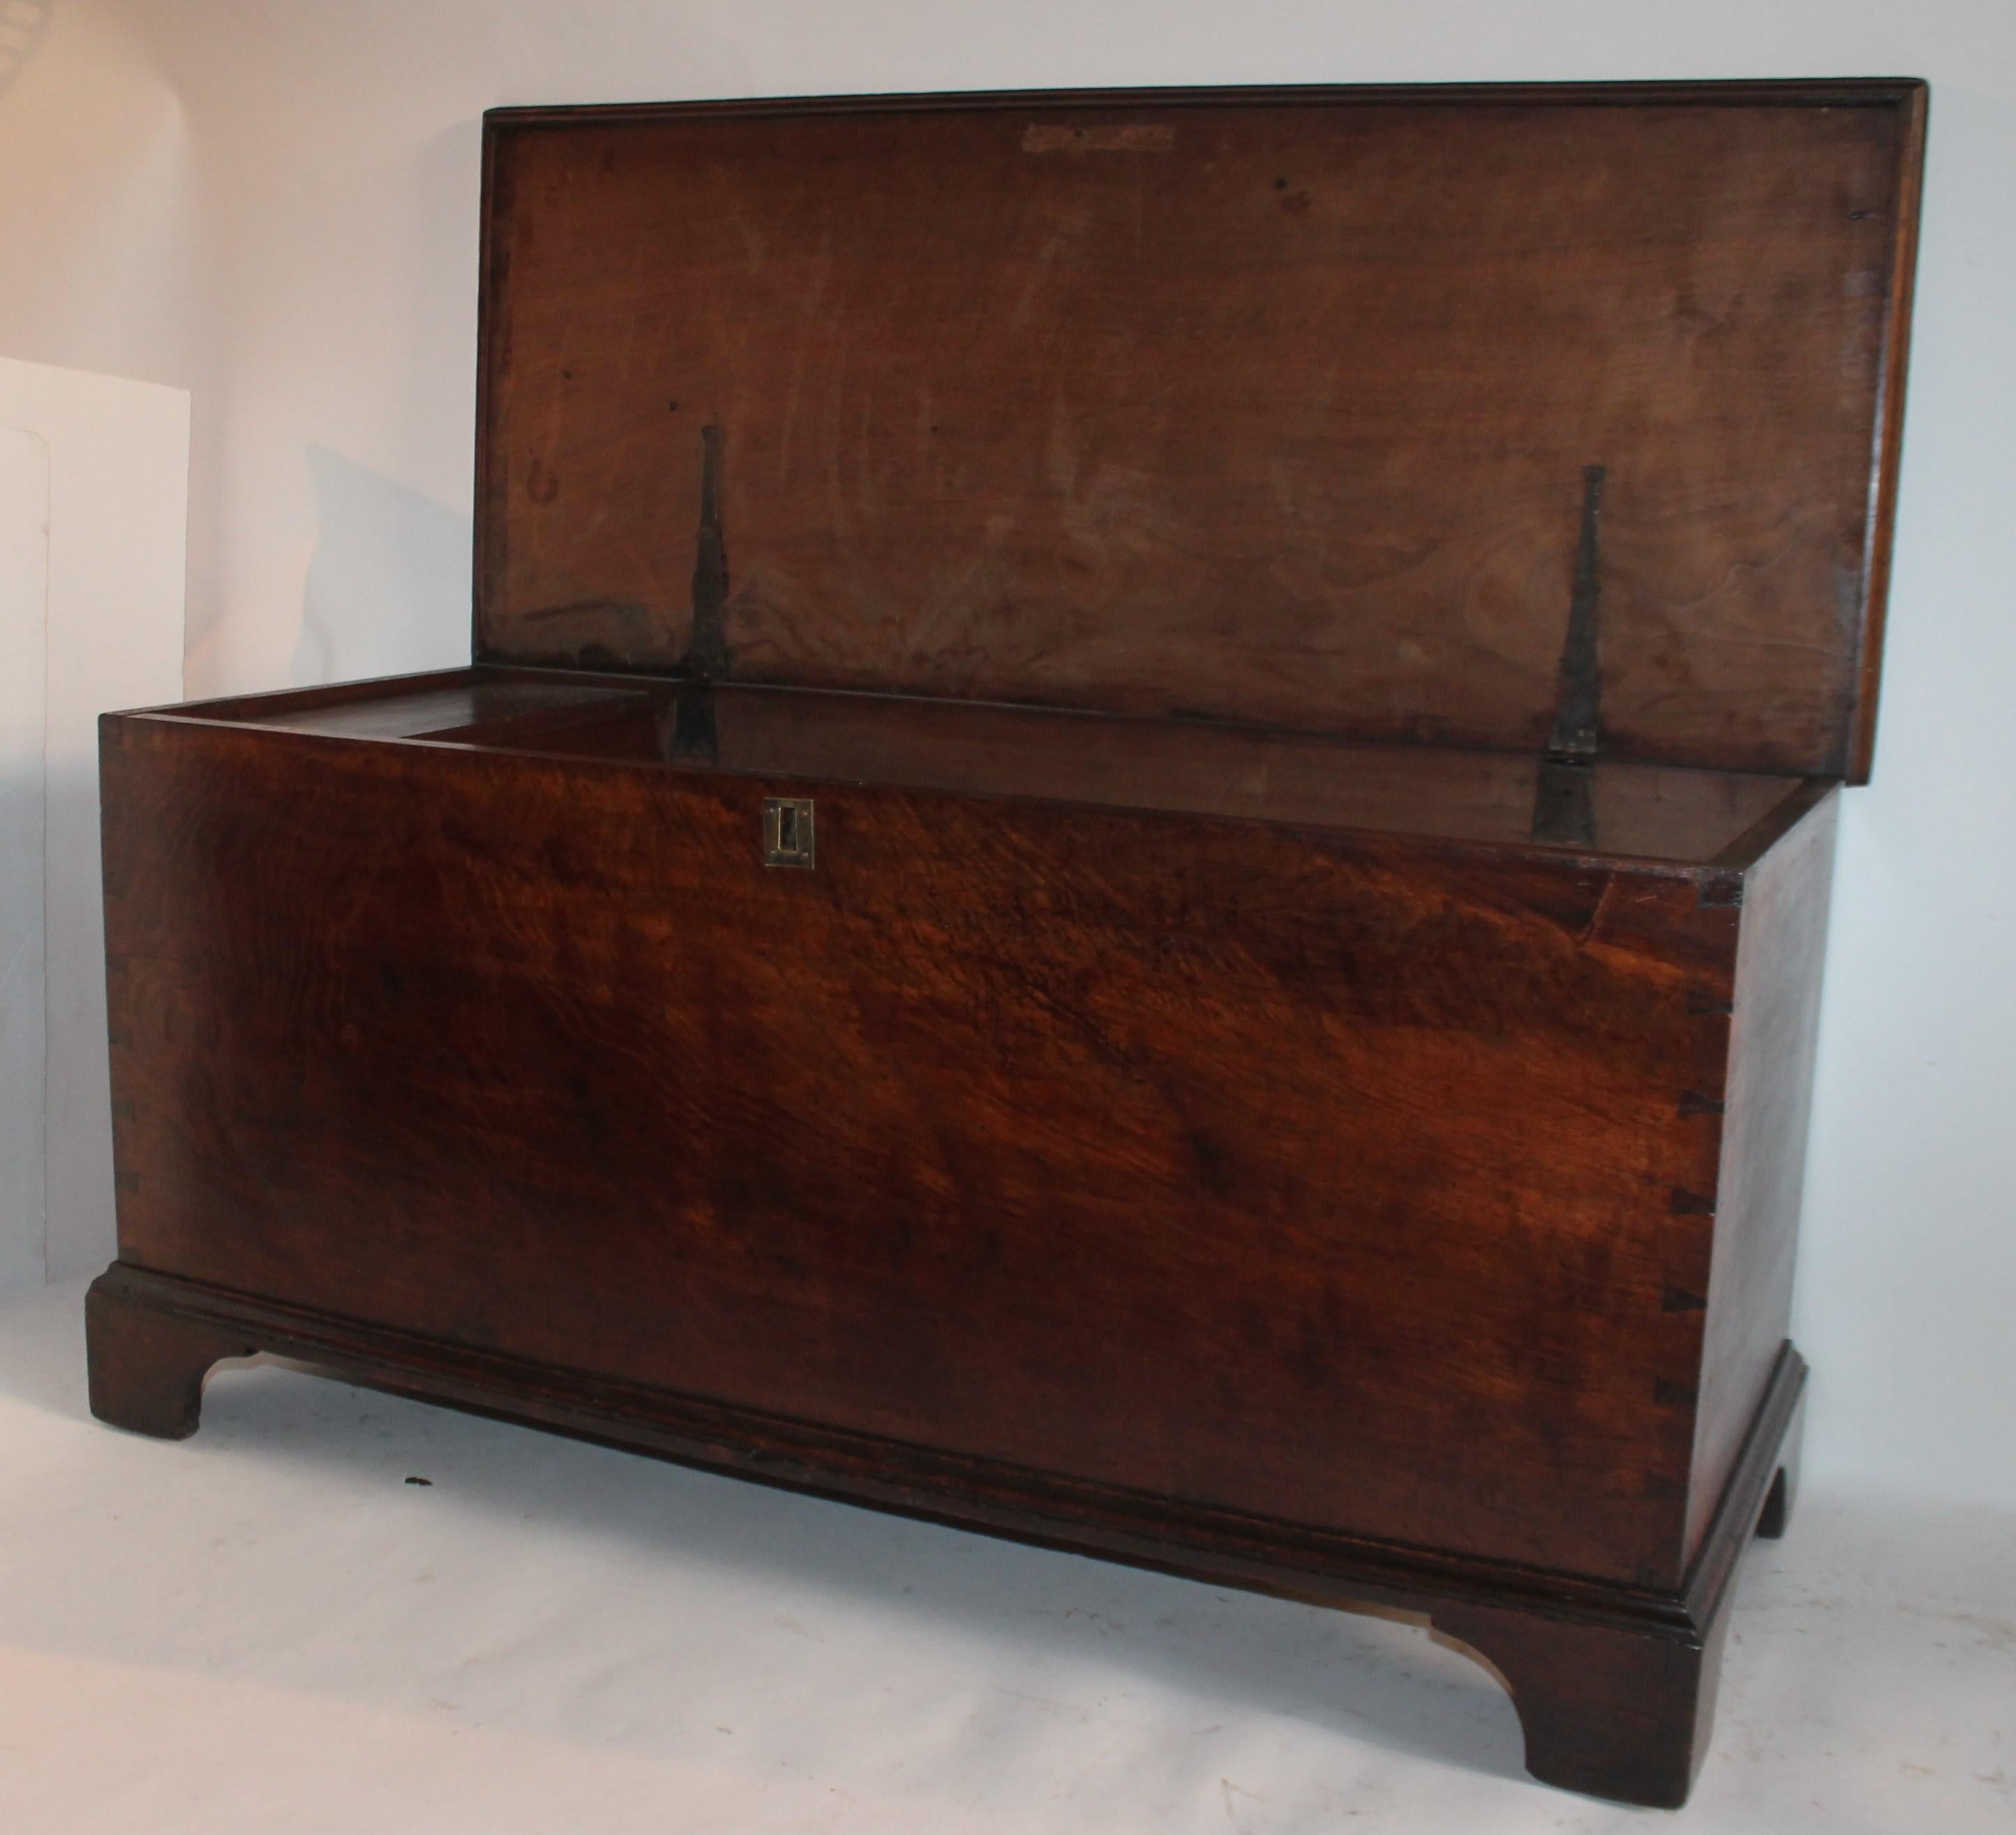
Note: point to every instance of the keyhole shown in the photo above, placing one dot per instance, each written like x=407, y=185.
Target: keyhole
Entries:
x=787, y=831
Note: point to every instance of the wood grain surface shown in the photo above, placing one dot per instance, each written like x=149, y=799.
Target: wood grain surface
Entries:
x=1271, y=406
x=1614, y=1685
x=1190, y=767
x=1320, y=630
x=1352, y=1174
x=1774, y=1038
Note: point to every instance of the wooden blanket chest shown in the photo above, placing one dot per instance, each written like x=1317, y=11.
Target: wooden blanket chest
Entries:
x=1137, y=853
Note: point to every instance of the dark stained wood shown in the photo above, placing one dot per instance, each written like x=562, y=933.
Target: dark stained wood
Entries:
x=1398, y=1227
x=1621, y=1714
x=1890, y=426
x=145, y=1365
x=1274, y=407
x=1665, y=813
x=1622, y=1705
x=1110, y=1103
x=1200, y=769
x=1321, y=630
x=1783, y=1497
x=1773, y=1034
x=1614, y=1686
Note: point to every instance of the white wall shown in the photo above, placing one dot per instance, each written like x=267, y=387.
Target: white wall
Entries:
x=97, y=241
x=96, y=250
x=321, y=162
x=24, y=582
x=94, y=496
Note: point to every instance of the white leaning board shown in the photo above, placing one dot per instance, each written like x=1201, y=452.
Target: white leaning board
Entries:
x=94, y=505
x=24, y=501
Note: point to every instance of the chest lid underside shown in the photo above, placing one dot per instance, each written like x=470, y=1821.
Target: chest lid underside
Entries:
x=1557, y=420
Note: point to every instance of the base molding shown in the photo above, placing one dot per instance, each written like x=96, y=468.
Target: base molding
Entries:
x=1614, y=1685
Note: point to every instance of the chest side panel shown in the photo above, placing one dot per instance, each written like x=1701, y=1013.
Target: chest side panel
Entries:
x=1344, y=1182
x=1774, y=1035
x=1280, y=410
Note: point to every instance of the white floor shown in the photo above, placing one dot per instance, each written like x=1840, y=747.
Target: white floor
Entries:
x=268, y=1628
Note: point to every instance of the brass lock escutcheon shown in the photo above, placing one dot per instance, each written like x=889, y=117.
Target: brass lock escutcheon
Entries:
x=787, y=831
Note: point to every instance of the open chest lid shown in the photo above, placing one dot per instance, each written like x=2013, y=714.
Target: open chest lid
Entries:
x=1561, y=420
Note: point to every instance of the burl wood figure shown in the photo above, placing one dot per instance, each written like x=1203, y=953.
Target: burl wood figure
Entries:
x=1137, y=853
